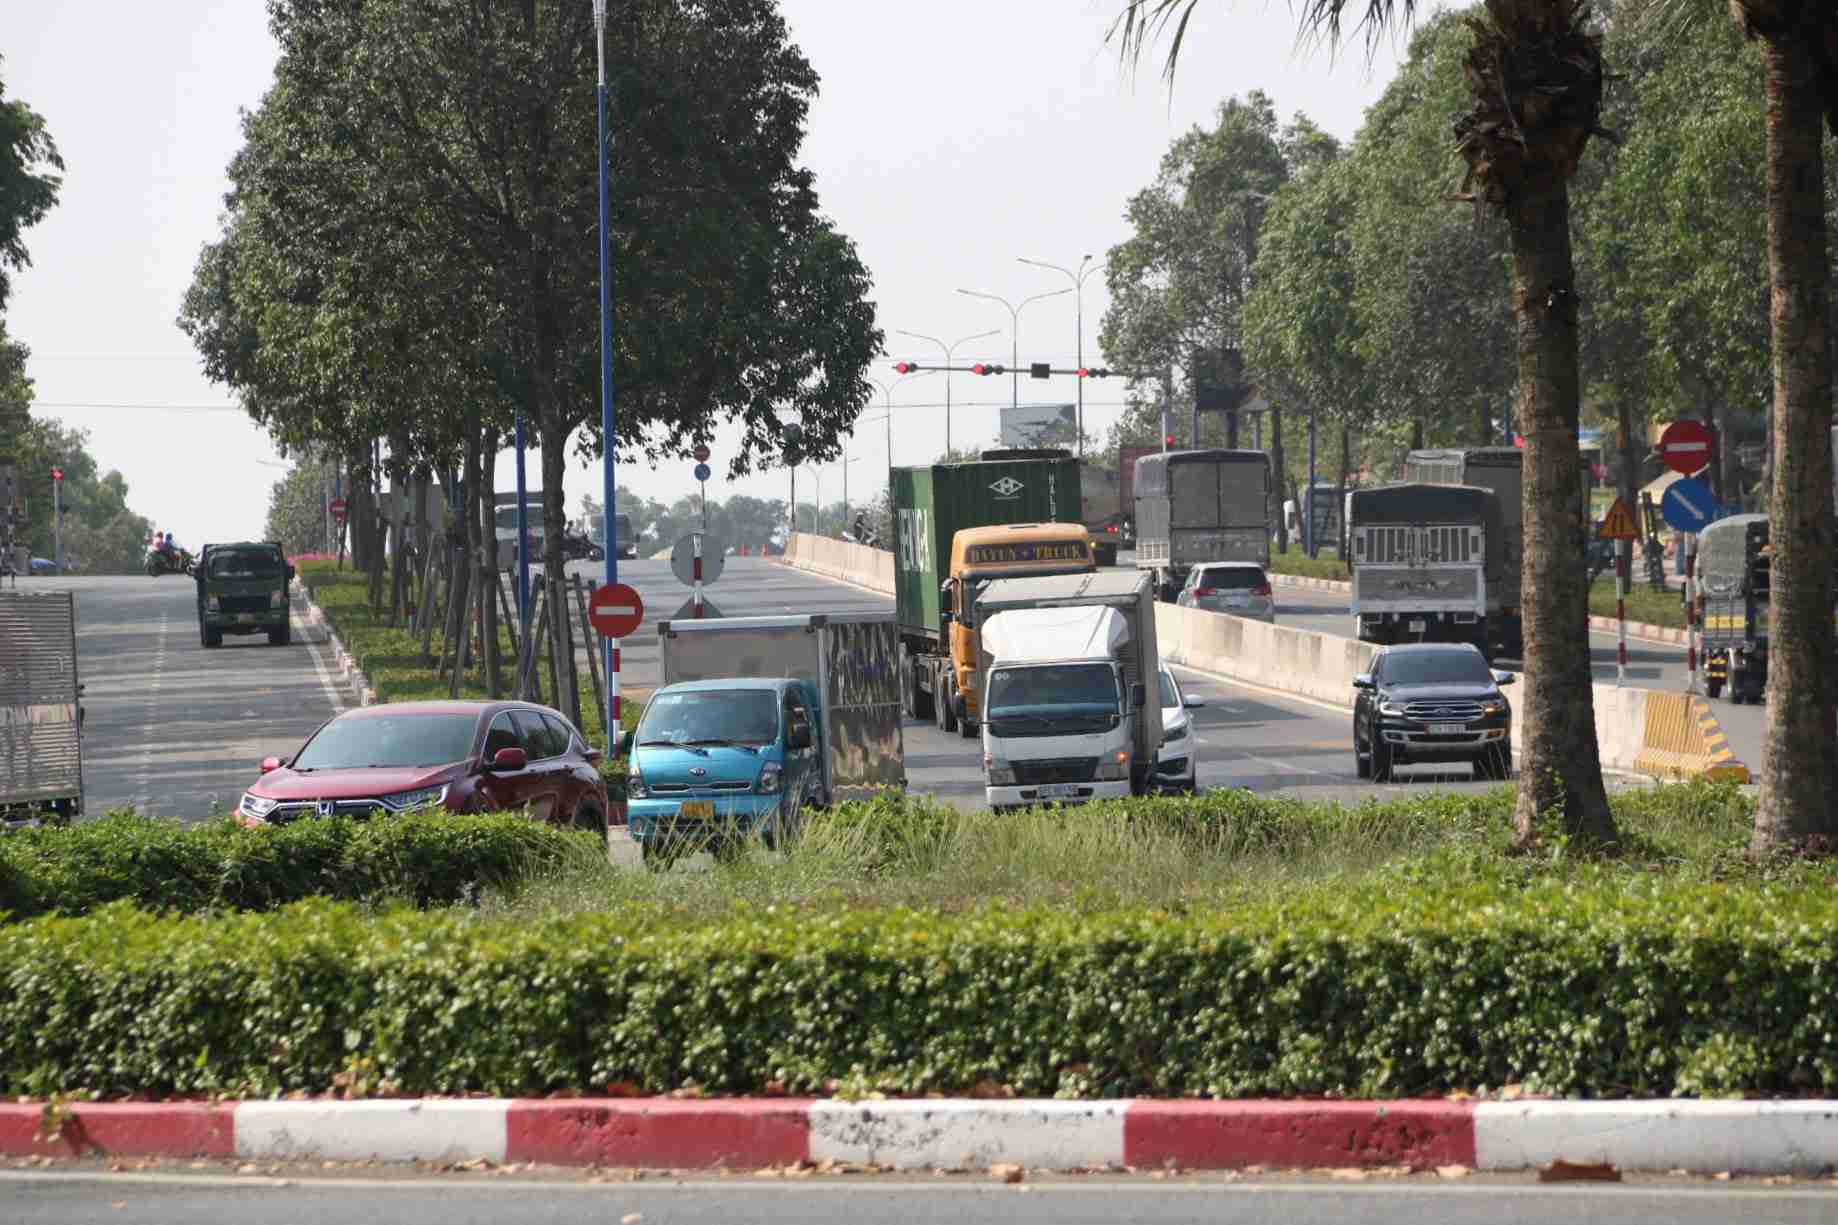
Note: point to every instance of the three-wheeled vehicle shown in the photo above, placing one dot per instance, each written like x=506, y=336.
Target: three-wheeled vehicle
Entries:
x=1732, y=568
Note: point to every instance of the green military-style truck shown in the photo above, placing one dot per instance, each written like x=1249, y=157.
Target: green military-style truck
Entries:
x=242, y=589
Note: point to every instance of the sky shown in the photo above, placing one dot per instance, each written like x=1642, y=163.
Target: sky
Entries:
x=948, y=141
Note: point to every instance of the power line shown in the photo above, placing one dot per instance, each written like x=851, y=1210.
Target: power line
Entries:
x=168, y=408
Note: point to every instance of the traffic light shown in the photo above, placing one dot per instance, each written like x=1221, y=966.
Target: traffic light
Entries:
x=1093, y=372
x=1041, y=370
x=904, y=367
x=986, y=368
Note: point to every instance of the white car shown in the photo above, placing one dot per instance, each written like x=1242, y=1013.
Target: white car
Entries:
x=1176, y=768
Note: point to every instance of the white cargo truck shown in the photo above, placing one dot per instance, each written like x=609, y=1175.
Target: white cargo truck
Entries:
x=1067, y=664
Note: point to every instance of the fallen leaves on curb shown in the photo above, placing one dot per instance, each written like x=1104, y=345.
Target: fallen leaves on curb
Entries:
x=1579, y=1171
x=1453, y=1171
x=1006, y=1172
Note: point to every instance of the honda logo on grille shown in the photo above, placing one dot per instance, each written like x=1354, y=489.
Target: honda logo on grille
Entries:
x=698, y=771
x=1007, y=487
x=328, y=808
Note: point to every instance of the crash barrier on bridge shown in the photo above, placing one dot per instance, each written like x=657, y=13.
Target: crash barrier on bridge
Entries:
x=1682, y=738
x=841, y=559
x=1316, y=665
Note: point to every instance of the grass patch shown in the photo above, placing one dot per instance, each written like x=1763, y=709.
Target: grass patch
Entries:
x=1297, y=562
x=1663, y=608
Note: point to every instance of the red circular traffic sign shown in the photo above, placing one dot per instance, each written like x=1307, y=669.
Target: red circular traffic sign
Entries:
x=338, y=508
x=1685, y=446
x=57, y=474
x=616, y=610
x=701, y=454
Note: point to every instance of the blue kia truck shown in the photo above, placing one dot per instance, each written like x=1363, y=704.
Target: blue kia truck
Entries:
x=758, y=719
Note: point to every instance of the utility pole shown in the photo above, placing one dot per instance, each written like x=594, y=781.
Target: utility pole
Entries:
x=57, y=518
x=1078, y=285
x=1014, y=335
x=949, y=349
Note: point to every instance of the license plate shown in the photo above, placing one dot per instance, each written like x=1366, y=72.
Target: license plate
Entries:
x=697, y=810
x=1416, y=627
x=246, y=618
x=1447, y=729
x=1235, y=601
x=1058, y=791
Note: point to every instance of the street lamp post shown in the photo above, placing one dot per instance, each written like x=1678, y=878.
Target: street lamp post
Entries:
x=846, y=461
x=1078, y=285
x=949, y=349
x=609, y=648
x=1014, y=336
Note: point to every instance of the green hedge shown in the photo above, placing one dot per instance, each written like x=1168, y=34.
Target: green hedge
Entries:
x=424, y=858
x=1601, y=982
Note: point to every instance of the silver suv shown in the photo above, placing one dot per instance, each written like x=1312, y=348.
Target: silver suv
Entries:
x=1237, y=587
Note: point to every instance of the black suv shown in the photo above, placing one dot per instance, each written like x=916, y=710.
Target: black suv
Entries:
x=1431, y=702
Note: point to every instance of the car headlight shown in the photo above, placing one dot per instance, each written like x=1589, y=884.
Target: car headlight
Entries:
x=1496, y=706
x=1115, y=767
x=999, y=773
x=1394, y=709
x=425, y=797
x=213, y=603
x=1178, y=732
x=634, y=783
x=771, y=775
x=277, y=599
x=254, y=805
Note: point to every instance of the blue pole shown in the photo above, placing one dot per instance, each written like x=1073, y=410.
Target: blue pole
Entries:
x=609, y=504
x=523, y=542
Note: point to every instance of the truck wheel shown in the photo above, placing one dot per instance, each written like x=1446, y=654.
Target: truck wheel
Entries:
x=1104, y=553
x=1713, y=687
x=967, y=728
x=212, y=638
x=921, y=706
x=1362, y=762
x=1381, y=761
x=281, y=635
x=946, y=696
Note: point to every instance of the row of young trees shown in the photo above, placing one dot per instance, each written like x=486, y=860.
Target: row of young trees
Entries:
x=411, y=247
x=98, y=531
x=1365, y=291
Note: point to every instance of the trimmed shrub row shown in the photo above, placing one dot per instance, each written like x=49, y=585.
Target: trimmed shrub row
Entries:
x=1601, y=983
x=425, y=859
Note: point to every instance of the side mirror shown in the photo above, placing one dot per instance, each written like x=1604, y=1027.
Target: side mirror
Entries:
x=947, y=603
x=1192, y=701
x=799, y=737
x=1363, y=681
x=622, y=745
x=270, y=763
x=1504, y=678
x=1139, y=696
x=509, y=760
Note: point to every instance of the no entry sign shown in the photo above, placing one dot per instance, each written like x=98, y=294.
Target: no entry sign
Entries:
x=337, y=508
x=616, y=610
x=1685, y=446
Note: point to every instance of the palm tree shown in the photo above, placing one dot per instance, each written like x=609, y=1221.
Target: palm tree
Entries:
x=1800, y=49
x=1536, y=69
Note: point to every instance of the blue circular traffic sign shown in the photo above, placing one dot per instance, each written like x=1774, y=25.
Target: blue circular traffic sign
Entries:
x=1688, y=505
x=702, y=472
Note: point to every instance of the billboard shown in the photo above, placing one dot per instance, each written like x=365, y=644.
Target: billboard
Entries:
x=1041, y=425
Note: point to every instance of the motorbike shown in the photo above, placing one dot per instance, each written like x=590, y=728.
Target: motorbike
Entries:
x=577, y=547
x=161, y=561
x=868, y=537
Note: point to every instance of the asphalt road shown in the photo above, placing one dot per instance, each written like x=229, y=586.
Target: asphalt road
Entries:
x=171, y=728
x=1248, y=737
x=62, y=1198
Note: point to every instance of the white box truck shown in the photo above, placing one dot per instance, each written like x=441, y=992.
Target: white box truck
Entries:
x=1068, y=663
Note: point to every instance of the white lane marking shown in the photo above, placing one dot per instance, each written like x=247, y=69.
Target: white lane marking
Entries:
x=143, y=768
x=325, y=677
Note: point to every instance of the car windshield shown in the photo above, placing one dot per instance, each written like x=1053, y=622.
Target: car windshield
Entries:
x=507, y=516
x=358, y=741
x=1232, y=579
x=748, y=716
x=1436, y=668
x=1055, y=685
x=246, y=563
x=1169, y=696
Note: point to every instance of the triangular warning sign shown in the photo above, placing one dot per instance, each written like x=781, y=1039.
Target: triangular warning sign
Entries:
x=1618, y=523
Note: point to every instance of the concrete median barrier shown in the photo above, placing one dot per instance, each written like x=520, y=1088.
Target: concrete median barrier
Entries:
x=841, y=559
x=1681, y=738
x=1315, y=665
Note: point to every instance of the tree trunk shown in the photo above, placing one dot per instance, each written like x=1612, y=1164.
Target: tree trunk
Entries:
x=1483, y=424
x=1346, y=473
x=1416, y=434
x=488, y=567
x=1795, y=808
x=1560, y=766
x=555, y=517
x=1280, y=475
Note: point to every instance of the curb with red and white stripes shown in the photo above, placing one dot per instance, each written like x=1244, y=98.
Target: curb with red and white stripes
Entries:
x=1755, y=1137
x=347, y=668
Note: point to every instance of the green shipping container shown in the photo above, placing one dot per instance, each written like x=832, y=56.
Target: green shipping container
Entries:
x=931, y=505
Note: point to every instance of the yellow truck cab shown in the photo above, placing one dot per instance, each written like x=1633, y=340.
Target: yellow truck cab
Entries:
x=979, y=556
